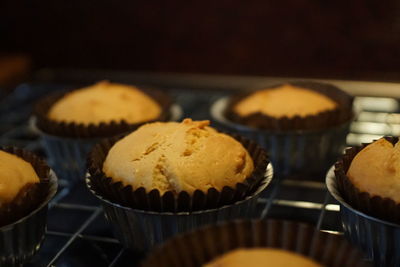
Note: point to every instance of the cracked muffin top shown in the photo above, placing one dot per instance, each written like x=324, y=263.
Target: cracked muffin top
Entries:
x=16, y=174
x=376, y=170
x=178, y=157
x=105, y=102
x=285, y=101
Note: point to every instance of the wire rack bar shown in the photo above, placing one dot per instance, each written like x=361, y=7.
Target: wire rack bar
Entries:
x=114, y=262
x=75, y=235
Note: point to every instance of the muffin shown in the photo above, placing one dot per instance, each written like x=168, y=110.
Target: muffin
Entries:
x=104, y=102
x=70, y=123
x=303, y=125
x=26, y=186
x=257, y=257
x=370, y=176
x=255, y=243
x=17, y=180
x=176, y=176
x=365, y=181
x=172, y=157
x=285, y=101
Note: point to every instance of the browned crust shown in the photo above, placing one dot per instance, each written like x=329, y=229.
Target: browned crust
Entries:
x=169, y=201
x=383, y=208
x=102, y=130
x=31, y=195
x=326, y=119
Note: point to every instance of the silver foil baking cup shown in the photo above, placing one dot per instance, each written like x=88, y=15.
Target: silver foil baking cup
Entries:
x=291, y=152
x=67, y=156
x=20, y=240
x=140, y=230
x=378, y=239
x=199, y=247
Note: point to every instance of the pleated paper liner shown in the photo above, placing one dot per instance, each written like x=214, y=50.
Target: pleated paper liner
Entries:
x=170, y=202
x=383, y=208
x=31, y=196
x=102, y=130
x=197, y=248
x=322, y=120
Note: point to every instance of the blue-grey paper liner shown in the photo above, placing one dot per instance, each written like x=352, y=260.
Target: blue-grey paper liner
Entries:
x=378, y=239
x=201, y=246
x=294, y=153
x=20, y=240
x=140, y=230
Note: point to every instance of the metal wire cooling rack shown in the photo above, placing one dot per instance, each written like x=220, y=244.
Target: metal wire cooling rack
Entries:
x=78, y=234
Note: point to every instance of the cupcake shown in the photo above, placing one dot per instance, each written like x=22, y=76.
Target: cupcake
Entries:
x=303, y=125
x=256, y=243
x=70, y=123
x=257, y=257
x=166, y=178
x=366, y=183
x=26, y=187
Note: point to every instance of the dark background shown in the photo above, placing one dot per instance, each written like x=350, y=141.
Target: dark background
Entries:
x=357, y=39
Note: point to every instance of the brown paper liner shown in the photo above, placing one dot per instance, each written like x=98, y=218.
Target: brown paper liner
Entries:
x=201, y=246
x=169, y=201
x=326, y=119
x=31, y=195
x=383, y=208
x=101, y=130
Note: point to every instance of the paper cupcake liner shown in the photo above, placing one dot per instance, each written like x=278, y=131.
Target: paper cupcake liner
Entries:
x=75, y=130
x=21, y=238
x=322, y=120
x=170, y=202
x=383, y=208
x=199, y=247
x=30, y=196
x=378, y=239
x=293, y=153
x=140, y=230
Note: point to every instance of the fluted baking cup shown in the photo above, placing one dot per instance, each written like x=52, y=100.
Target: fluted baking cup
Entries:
x=322, y=120
x=199, y=247
x=378, y=239
x=380, y=207
x=21, y=238
x=170, y=201
x=31, y=195
x=297, y=153
x=102, y=130
x=140, y=230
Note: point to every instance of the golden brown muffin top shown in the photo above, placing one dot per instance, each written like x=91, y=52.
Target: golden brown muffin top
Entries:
x=376, y=169
x=15, y=174
x=285, y=101
x=262, y=257
x=105, y=102
x=171, y=156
